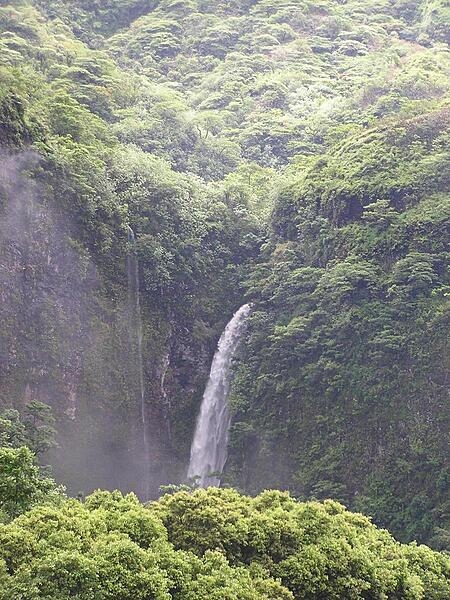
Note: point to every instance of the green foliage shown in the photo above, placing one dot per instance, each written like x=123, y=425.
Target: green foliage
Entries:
x=348, y=331
x=435, y=19
x=35, y=430
x=229, y=546
x=191, y=121
x=22, y=484
x=92, y=17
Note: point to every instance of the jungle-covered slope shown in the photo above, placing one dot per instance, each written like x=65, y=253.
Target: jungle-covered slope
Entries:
x=191, y=122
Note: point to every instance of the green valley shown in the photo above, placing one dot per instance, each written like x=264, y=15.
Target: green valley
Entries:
x=163, y=163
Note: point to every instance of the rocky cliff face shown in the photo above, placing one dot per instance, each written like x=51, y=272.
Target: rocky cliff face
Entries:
x=66, y=341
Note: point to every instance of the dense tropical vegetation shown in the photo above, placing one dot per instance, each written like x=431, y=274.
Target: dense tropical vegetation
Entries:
x=210, y=544
x=289, y=153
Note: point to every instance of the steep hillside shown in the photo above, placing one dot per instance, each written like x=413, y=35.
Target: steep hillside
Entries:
x=344, y=388
x=294, y=154
x=70, y=190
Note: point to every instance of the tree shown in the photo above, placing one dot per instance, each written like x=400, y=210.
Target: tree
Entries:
x=34, y=430
x=21, y=482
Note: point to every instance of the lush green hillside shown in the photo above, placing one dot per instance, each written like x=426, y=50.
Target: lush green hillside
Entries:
x=343, y=390
x=70, y=188
x=294, y=154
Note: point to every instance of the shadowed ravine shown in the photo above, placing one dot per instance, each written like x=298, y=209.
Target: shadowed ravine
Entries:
x=135, y=316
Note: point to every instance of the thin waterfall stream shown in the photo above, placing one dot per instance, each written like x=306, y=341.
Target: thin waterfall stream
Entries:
x=134, y=301
x=209, y=448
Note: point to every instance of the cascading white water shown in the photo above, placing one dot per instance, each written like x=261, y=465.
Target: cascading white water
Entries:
x=210, y=443
x=136, y=321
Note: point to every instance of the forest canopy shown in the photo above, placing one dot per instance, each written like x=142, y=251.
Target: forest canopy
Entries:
x=210, y=544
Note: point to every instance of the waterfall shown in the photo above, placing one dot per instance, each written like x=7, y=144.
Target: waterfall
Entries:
x=134, y=302
x=210, y=443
